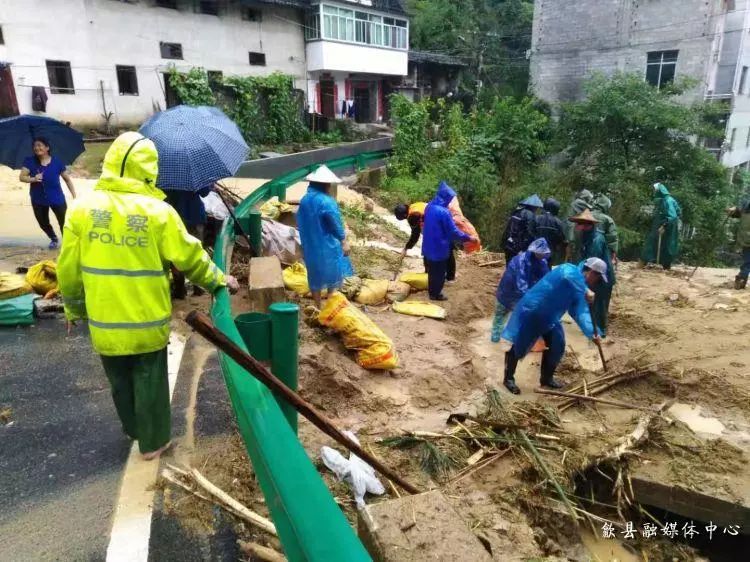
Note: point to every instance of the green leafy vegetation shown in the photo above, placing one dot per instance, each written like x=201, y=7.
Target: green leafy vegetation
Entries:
x=625, y=136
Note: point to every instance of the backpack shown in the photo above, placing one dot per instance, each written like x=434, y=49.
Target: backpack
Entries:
x=516, y=237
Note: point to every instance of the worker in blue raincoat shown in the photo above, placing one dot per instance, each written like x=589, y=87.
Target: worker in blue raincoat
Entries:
x=522, y=273
x=438, y=235
x=567, y=288
x=323, y=236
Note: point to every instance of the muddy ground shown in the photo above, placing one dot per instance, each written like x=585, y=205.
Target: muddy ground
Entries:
x=688, y=336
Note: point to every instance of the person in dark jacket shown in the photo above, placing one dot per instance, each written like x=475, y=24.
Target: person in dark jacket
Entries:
x=192, y=211
x=438, y=235
x=552, y=229
x=414, y=215
x=521, y=227
x=594, y=245
x=522, y=273
x=743, y=241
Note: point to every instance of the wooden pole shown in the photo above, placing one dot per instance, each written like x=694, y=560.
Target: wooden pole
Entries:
x=598, y=343
x=574, y=396
x=202, y=324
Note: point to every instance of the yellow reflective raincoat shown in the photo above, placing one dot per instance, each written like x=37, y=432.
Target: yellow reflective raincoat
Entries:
x=117, y=245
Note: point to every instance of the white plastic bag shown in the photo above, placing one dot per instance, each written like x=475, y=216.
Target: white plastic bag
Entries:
x=355, y=472
x=215, y=207
x=281, y=241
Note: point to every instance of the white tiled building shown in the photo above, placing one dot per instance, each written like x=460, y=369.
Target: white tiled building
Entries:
x=97, y=57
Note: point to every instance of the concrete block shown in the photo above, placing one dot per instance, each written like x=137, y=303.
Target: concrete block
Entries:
x=266, y=286
x=417, y=528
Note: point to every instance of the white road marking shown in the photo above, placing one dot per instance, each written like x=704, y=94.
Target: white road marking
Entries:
x=131, y=528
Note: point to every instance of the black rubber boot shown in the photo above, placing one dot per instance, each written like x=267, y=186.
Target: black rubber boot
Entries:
x=740, y=283
x=548, y=373
x=509, y=381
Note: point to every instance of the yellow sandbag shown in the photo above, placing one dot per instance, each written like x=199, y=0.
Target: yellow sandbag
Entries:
x=372, y=291
x=417, y=281
x=295, y=279
x=273, y=209
x=374, y=349
x=419, y=308
x=398, y=291
x=42, y=277
x=12, y=285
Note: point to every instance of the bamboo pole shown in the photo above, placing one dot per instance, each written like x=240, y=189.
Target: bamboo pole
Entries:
x=577, y=397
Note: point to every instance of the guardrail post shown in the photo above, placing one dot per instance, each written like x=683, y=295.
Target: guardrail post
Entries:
x=284, y=351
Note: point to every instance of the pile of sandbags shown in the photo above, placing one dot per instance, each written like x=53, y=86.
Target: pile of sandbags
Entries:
x=374, y=349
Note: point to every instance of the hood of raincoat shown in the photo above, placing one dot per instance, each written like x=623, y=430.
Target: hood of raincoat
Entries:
x=444, y=195
x=660, y=190
x=540, y=246
x=602, y=203
x=586, y=195
x=131, y=166
x=552, y=205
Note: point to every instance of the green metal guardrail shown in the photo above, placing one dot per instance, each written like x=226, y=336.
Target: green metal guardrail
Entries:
x=310, y=524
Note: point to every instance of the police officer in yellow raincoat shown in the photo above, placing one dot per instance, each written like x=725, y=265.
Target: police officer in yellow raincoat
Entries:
x=113, y=270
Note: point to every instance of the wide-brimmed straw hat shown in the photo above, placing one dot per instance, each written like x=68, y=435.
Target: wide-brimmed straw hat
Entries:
x=584, y=217
x=323, y=175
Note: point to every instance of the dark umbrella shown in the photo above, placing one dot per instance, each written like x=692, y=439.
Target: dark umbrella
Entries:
x=18, y=133
x=197, y=146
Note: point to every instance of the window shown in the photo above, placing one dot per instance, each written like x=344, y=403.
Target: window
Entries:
x=215, y=78
x=747, y=140
x=341, y=24
x=660, y=67
x=170, y=50
x=312, y=26
x=172, y=4
x=257, y=59
x=732, y=139
x=252, y=14
x=209, y=7
x=127, y=81
x=2, y=41
x=743, y=80
x=60, y=77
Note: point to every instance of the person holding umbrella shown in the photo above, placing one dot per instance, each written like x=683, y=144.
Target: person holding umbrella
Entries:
x=53, y=146
x=111, y=271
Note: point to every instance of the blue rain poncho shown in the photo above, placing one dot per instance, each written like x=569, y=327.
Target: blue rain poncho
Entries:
x=541, y=308
x=522, y=273
x=321, y=231
x=440, y=230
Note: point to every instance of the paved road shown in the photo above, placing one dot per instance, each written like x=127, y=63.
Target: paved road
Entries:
x=62, y=457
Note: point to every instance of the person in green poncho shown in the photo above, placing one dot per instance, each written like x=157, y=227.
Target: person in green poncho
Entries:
x=594, y=245
x=607, y=226
x=584, y=199
x=663, y=242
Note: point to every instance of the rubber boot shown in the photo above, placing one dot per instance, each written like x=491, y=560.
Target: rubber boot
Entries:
x=548, y=374
x=509, y=381
x=740, y=283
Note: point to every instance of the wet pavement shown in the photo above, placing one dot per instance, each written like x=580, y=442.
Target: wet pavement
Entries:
x=62, y=454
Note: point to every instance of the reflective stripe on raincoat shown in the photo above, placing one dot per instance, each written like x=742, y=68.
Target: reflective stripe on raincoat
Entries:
x=117, y=245
x=541, y=308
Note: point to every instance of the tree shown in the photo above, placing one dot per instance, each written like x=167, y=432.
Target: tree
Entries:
x=491, y=35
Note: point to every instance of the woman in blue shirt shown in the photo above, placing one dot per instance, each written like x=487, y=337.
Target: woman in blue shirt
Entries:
x=43, y=171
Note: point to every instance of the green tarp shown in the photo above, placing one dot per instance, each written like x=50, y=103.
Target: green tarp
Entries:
x=18, y=311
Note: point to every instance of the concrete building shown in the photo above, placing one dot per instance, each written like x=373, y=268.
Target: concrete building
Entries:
x=355, y=50
x=91, y=58
x=703, y=39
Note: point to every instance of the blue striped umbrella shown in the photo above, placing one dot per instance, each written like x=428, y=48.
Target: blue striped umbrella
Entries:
x=18, y=133
x=197, y=146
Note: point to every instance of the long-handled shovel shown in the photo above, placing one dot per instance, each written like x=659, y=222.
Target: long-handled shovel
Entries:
x=398, y=267
x=658, y=246
x=202, y=324
x=598, y=343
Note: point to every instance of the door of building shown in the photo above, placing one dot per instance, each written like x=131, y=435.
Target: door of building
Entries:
x=171, y=97
x=8, y=101
x=362, y=103
x=327, y=98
